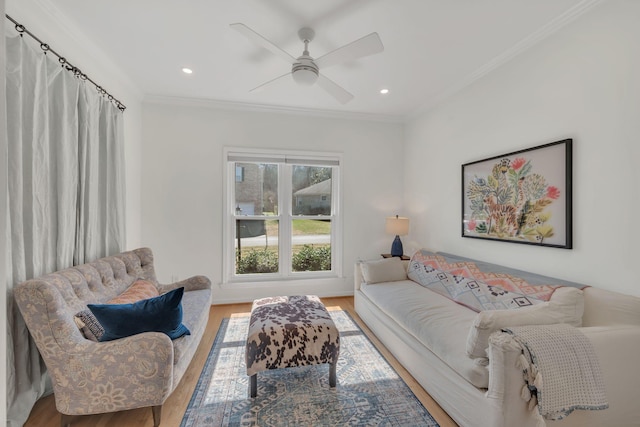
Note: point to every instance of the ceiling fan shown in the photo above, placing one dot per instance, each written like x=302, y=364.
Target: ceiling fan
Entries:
x=305, y=70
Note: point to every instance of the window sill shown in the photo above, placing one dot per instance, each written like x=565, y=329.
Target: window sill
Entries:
x=280, y=281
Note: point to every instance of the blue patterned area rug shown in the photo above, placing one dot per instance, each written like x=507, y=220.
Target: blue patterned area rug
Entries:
x=369, y=391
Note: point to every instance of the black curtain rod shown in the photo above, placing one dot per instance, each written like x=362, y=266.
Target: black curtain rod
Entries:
x=66, y=64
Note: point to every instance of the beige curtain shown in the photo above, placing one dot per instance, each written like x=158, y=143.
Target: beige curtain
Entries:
x=65, y=191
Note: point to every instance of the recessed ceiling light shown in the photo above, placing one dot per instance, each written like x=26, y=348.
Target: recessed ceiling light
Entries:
x=384, y=91
x=187, y=70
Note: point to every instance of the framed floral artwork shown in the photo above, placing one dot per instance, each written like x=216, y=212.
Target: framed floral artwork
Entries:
x=520, y=197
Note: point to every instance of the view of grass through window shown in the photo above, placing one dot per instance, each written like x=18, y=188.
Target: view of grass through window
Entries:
x=305, y=257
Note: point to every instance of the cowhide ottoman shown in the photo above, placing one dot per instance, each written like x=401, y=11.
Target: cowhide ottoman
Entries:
x=288, y=331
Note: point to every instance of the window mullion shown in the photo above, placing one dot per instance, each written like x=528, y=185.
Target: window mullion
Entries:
x=228, y=238
x=336, y=224
x=284, y=239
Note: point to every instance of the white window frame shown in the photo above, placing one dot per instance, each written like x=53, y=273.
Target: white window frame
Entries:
x=231, y=155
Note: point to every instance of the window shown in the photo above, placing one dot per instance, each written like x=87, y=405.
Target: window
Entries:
x=239, y=173
x=282, y=219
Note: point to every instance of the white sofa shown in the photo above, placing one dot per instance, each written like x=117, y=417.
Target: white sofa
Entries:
x=428, y=333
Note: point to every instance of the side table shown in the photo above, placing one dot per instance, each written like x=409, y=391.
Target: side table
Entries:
x=402, y=257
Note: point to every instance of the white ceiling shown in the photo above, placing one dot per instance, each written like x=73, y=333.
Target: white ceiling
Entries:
x=432, y=47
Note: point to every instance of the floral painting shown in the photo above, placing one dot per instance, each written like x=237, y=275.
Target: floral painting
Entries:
x=522, y=197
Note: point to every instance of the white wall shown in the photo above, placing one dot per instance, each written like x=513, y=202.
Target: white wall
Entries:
x=182, y=190
x=47, y=23
x=582, y=83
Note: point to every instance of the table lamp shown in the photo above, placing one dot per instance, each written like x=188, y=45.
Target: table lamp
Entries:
x=400, y=227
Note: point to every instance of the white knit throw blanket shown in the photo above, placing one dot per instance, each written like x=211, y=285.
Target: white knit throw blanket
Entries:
x=561, y=370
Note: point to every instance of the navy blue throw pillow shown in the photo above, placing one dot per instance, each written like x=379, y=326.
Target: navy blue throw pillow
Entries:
x=158, y=314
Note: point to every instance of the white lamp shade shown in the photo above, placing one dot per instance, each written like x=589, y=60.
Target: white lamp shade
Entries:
x=397, y=225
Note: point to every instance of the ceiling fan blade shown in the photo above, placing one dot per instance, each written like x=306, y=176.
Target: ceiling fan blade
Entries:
x=367, y=45
x=334, y=90
x=263, y=42
x=262, y=86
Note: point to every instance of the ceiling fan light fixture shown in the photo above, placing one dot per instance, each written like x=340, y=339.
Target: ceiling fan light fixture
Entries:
x=304, y=75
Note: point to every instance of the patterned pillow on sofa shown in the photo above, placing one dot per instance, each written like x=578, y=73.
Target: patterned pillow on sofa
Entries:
x=139, y=290
x=88, y=324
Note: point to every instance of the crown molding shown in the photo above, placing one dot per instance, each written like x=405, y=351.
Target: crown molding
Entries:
x=41, y=14
x=522, y=46
x=278, y=109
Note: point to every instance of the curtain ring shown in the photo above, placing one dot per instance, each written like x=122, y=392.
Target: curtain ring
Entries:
x=21, y=29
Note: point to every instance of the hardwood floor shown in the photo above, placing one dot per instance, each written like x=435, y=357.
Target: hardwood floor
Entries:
x=44, y=414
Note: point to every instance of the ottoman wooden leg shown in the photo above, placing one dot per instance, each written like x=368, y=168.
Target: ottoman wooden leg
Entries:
x=332, y=374
x=253, y=385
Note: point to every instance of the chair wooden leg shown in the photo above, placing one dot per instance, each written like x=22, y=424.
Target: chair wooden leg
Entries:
x=157, y=414
x=65, y=420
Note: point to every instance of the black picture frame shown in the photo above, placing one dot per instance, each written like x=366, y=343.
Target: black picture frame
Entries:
x=521, y=197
